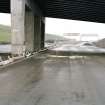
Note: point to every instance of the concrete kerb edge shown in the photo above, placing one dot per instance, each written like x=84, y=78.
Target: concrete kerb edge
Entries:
x=22, y=59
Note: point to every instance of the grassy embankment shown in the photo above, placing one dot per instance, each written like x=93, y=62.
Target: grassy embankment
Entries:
x=5, y=34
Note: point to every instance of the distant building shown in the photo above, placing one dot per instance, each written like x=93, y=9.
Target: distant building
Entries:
x=81, y=37
x=89, y=37
x=73, y=36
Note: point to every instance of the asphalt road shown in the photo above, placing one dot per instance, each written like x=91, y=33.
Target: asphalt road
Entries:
x=46, y=80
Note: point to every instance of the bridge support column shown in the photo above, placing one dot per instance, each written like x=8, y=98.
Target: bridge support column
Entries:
x=39, y=33
x=27, y=29
x=17, y=24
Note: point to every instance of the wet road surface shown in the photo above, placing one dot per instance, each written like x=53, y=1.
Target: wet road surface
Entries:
x=45, y=80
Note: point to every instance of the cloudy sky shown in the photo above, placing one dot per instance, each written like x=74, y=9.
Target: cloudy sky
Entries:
x=5, y=19
x=60, y=26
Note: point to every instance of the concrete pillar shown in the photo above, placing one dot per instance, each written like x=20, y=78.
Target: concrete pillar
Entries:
x=34, y=32
x=42, y=32
x=17, y=24
x=39, y=33
x=27, y=29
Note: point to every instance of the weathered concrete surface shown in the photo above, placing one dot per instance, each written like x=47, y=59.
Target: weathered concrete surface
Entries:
x=44, y=80
x=18, y=26
x=39, y=32
x=27, y=28
x=29, y=31
x=34, y=35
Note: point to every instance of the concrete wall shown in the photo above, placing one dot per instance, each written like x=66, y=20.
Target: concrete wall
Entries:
x=27, y=28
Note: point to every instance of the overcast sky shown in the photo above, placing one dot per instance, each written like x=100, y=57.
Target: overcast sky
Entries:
x=5, y=19
x=60, y=26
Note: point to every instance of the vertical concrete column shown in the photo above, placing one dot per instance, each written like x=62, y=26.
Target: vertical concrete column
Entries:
x=42, y=32
x=29, y=31
x=18, y=27
x=17, y=21
x=39, y=33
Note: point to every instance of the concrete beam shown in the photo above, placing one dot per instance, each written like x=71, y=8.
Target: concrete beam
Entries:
x=34, y=7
